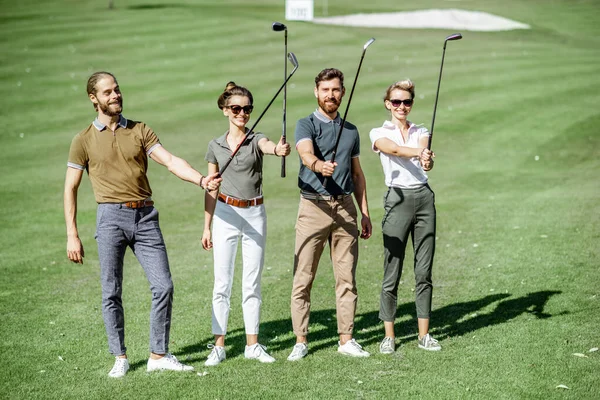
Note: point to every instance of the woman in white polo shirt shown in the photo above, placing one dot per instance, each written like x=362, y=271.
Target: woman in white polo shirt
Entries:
x=237, y=212
x=409, y=208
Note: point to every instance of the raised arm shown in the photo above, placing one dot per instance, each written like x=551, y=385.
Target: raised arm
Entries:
x=180, y=168
x=360, y=194
x=75, y=251
x=210, y=202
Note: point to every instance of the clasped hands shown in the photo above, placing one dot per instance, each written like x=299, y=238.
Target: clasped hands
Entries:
x=426, y=159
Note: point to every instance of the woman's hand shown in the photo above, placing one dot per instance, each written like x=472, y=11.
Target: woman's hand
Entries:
x=426, y=159
x=206, y=240
x=282, y=149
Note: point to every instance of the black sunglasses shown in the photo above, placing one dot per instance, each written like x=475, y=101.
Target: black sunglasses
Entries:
x=235, y=109
x=396, y=102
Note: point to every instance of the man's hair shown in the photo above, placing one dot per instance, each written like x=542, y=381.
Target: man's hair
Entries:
x=328, y=74
x=93, y=81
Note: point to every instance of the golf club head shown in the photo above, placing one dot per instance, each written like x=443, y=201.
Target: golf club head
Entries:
x=278, y=27
x=454, y=36
x=369, y=42
x=293, y=60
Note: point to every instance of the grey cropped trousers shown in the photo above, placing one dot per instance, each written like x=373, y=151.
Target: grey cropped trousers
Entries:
x=408, y=211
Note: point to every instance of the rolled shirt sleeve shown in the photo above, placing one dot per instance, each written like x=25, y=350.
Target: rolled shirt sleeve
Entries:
x=78, y=156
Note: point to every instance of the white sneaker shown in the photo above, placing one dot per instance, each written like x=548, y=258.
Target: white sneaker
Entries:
x=258, y=352
x=216, y=355
x=169, y=362
x=120, y=368
x=351, y=348
x=429, y=343
x=299, y=351
x=387, y=345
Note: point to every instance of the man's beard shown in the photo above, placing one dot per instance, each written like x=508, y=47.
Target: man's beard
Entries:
x=106, y=108
x=329, y=107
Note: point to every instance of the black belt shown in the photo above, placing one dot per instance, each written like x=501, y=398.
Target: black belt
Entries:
x=317, y=196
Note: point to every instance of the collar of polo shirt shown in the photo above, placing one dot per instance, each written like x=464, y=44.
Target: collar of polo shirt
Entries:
x=100, y=126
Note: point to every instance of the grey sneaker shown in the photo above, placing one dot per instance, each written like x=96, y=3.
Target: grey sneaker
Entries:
x=352, y=348
x=429, y=343
x=120, y=368
x=299, y=351
x=387, y=345
x=258, y=352
x=169, y=362
x=216, y=355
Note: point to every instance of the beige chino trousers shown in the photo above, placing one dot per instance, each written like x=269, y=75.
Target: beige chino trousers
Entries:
x=320, y=222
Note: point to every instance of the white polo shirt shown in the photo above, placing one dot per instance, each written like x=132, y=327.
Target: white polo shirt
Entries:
x=401, y=172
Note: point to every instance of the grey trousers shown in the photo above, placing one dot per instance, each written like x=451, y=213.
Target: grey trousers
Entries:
x=408, y=211
x=119, y=227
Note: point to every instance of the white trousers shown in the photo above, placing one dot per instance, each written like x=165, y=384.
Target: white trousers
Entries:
x=229, y=225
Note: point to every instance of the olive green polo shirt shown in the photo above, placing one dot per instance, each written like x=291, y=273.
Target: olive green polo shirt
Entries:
x=243, y=177
x=117, y=161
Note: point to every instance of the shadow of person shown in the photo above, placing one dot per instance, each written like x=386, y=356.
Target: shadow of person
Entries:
x=506, y=310
x=451, y=320
x=442, y=317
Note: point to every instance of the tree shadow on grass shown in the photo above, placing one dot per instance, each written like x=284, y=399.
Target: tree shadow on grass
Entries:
x=452, y=320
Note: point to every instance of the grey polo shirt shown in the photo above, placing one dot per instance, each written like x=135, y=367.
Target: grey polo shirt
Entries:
x=323, y=133
x=243, y=177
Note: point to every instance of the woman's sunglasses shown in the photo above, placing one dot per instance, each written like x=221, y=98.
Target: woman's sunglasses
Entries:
x=407, y=102
x=235, y=109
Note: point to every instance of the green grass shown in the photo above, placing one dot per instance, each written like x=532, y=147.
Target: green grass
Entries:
x=516, y=272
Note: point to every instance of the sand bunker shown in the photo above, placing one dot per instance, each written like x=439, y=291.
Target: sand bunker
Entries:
x=437, y=19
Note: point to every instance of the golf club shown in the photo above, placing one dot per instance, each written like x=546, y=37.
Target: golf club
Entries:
x=339, y=135
x=294, y=62
x=455, y=36
x=278, y=27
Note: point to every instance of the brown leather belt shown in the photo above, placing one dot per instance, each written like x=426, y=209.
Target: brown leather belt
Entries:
x=138, y=204
x=232, y=201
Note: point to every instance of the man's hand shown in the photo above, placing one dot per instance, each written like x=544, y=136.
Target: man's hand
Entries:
x=367, y=229
x=328, y=168
x=75, y=250
x=212, y=181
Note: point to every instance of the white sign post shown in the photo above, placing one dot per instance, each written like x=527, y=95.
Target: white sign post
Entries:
x=299, y=10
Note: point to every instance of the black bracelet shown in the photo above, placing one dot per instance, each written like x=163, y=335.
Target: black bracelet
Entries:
x=200, y=183
x=275, y=151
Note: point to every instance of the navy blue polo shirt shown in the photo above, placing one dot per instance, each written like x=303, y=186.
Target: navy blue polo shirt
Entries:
x=323, y=133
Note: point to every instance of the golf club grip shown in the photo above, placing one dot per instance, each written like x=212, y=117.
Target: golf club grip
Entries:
x=283, y=167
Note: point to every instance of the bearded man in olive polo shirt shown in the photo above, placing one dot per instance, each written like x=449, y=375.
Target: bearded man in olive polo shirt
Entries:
x=327, y=214
x=114, y=151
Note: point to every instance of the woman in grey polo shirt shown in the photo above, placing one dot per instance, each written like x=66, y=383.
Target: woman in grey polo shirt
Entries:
x=409, y=208
x=237, y=212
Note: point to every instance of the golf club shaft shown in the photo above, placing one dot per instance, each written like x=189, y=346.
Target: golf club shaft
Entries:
x=339, y=135
x=437, y=93
x=284, y=102
x=222, y=170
